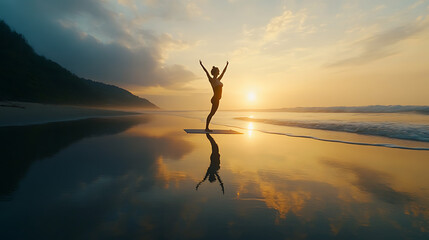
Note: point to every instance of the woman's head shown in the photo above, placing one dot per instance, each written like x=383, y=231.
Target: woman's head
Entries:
x=215, y=71
x=212, y=177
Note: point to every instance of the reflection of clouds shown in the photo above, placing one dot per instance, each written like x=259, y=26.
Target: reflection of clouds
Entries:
x=284, y=201
x=166, y=176
x=92, y=185
x=373, y=182
x=125, y=186
x=288, y=197
x=312, y=206
x=378, y=184
x=294, y=197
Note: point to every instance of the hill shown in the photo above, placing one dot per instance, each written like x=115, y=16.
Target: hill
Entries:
x=28, y=77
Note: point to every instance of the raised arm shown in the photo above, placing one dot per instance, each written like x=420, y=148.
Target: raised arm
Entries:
x=205, y=70
x=224, y=70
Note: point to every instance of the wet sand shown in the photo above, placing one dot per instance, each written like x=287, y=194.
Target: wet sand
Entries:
x=140, y=182
x=22, y=113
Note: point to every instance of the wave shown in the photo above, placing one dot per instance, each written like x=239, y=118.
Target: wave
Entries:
x=412, y=132
x=358, y=109
x=340, y=141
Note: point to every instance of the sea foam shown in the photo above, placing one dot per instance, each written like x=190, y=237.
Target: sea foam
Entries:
x=360, y=109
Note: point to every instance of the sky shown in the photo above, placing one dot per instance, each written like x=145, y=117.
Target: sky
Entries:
x=282, y=53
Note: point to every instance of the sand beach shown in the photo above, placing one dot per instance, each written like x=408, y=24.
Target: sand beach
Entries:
x=136, y=177
x=25, y=113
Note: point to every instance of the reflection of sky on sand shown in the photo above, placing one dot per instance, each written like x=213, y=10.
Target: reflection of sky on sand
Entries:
x=141, y=184
x=292, y=177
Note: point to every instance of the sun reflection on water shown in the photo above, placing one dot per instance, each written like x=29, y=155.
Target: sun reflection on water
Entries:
x=250, y=128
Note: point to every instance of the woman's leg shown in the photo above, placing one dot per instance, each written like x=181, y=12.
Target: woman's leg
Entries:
x=215, y=105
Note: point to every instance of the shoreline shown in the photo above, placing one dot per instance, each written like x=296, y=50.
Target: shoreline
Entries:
x=353, y=138
x=23, y=113
x=15, y=114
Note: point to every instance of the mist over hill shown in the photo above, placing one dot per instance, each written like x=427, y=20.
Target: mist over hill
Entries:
x=28, y=77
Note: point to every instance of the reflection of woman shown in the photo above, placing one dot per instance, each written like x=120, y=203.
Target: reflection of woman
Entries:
x=214, y=165
x=217, y=90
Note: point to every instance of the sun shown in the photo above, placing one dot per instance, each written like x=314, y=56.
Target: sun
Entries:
x=251, y=96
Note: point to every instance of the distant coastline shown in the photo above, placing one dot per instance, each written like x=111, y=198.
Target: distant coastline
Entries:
x=347, y=109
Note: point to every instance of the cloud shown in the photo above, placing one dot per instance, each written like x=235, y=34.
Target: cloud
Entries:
x=288, y=22
x=95, y=40
x=416, y=4
x=270, y=37
x=381, y=45
x=279, y=24
x=176, y=10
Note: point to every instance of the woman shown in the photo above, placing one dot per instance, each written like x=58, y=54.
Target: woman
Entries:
x=217, y=90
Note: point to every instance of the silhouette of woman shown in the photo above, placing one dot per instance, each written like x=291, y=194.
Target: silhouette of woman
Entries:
x=214, y=165
x=217, y=90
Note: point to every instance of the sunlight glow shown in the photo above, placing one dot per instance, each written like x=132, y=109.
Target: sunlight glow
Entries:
x=250, y=128
x=251, y=96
